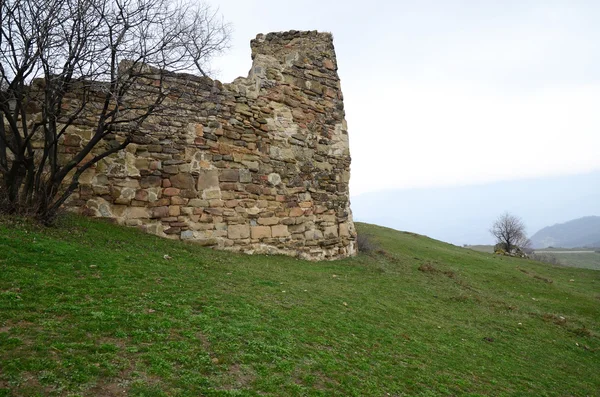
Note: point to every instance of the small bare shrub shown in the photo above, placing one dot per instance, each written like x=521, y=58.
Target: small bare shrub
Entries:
x=582, y=331
x=365, y=244
x=558, y=320
x=427, y=268
x=546, y=258
x=430, y=268
x=544, y=279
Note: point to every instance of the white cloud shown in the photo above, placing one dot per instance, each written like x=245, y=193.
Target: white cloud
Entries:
x=422, y=135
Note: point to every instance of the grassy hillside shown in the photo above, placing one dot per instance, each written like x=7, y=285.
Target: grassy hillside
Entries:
x=93, y=309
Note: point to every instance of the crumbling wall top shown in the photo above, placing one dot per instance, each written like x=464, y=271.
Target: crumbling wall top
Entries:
x=266, y=42
x=295, y=48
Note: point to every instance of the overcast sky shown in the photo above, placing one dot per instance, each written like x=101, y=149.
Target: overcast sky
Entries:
x=442, y=93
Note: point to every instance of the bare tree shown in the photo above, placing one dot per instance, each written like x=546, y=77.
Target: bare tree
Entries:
x=64, y=61
x=509, y=231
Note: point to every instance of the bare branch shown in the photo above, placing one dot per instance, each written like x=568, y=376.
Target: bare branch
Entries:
x=78, y=62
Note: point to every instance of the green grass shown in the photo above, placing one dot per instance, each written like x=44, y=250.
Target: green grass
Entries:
x=89, y=308
x=558, y=249
x=586, y=260
x=481, y=248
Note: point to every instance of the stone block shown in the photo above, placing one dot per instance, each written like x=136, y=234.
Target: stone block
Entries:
x=199, y=130
x=127, y=193
x=162, y=202
x=330, y=231
x=252, y=165
x=279, y=231
x=296, y=211
x=282, y=154
x=176, y=200
x=208, y=179
x=297, y=228
x=313, y=234
x=142, y=163
x=155, y=165
x=229, y=186
x=141, y=195
x=229, y=175
x=171, y=191
x=182, y=181
x=268, y=221
x=328, y=218
x=289, y=221
x=253, y=211
x=187, y=235
x=135, y=203
x=328, y=63
x=236, y=232
x=214, y=211
x=206, y=242
x=245, y=176
x=171, y=169
x=160, y=212
x=100, y=190
x=305, y=204
x=274, y=179
x=150, y=181
x=72, y=140
x=211, y=194
x=198, y=203
x=206, y=218
x=253, y=189
x=218, y=203
x=137, y=212
x=232, y=203
x=189, y=193
x=259, y=232
x=344, y=231
x=87, y=178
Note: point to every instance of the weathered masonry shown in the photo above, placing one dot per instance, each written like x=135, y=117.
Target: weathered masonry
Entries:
x=260, y=165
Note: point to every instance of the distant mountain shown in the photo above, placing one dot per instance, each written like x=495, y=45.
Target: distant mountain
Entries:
x=464, y=214
x=582, y=232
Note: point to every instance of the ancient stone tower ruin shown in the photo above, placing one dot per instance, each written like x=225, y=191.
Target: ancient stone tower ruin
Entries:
x=260, y=165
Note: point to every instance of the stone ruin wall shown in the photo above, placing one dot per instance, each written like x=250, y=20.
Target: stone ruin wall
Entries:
x=260, y=165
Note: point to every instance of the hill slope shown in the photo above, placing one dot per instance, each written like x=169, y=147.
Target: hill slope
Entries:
x=582, y=232
x=95, y=309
